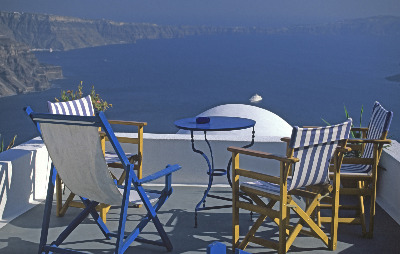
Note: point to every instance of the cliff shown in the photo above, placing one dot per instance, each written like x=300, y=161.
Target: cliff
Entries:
x=42, y=31
x=20, y=71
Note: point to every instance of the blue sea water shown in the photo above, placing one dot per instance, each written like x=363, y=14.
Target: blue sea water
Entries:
x=302, y=78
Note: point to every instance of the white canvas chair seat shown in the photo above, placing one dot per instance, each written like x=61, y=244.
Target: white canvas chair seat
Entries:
x=356, y=169
x=113, y=157
x=73, y=143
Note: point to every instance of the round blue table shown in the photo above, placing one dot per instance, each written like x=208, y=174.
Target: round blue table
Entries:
x=216, y=123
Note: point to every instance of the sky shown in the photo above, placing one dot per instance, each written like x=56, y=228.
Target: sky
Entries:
x=263, y=13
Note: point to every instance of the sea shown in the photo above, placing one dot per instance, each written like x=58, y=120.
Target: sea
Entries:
x=305, y=79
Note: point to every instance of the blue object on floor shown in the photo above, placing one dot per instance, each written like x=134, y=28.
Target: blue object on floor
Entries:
x=220, y=248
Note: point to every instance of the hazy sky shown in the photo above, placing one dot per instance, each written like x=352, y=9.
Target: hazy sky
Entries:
x=211, y=12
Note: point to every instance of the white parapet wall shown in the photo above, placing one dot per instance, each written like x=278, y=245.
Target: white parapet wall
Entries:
x=24, y=169
x=388, y=190
x=24, y=172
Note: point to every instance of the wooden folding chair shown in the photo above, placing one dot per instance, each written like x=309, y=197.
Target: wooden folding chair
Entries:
x=303, y=172
x=84, y=107
x=359, y=175
x=73, y=143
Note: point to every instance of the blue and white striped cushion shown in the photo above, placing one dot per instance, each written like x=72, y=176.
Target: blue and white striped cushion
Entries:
x=355, y=169
x=379, y=123
x=80, y=107
x=314, y=148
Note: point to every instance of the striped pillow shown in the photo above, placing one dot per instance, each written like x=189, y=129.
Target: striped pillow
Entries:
x=80, y=107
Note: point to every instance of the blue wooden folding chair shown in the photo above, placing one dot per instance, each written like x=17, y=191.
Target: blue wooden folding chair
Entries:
x=84, y=107
x=73, y=143
x=303, y=172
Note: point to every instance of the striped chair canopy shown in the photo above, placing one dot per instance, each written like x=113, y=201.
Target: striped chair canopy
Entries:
x=378, y=124
x=314, y=147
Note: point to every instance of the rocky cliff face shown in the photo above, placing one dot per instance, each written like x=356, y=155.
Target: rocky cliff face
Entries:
x=64, y=33
x=20, y=71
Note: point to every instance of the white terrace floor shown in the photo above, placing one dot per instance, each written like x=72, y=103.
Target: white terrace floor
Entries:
x=22, y=234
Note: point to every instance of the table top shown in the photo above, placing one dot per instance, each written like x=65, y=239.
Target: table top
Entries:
x=217, y=123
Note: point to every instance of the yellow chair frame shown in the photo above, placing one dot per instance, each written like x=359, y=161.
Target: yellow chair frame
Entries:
x=281, y=217
x=360, y=184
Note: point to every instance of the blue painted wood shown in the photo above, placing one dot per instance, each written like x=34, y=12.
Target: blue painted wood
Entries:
x=216, y=248
x=131, y=181
x=78, y=220
x=124, y=210
x=47, y=209
x=96, y=217
x=217, y=123
x=115, y=144
x=220, y=248
x=161, y=173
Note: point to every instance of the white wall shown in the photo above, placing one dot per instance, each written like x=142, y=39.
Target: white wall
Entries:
x=388, y=190
x=24, y=169
x=24, y=174
x=162, y=149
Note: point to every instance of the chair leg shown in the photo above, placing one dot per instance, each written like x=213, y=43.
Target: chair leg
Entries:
x=163, y=234
x=335, y=213
x=58, y=196
x=103, y=209
x=251, y=232
x=361, y=185
x=372, y=211
x=47, y=209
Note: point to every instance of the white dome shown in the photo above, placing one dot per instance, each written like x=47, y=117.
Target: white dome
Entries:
x=267, y=123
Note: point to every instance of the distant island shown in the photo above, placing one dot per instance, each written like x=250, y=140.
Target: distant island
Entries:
x=23, y=33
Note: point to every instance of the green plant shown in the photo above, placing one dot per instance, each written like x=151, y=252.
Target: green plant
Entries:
x=354, y=134
x=98, y=103
x=9, y=146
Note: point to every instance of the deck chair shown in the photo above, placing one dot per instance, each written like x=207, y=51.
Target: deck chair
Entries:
x=84, y=107
x=73, y=143
x=359, y=175
x=304, y=173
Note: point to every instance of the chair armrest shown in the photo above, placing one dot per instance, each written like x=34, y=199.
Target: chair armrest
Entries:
x=285, y=139
x=359, y=128
x=344, y=149
x=161, y=173
x=374, y=141
x=354, y=160
x=257, y=176
x=262, y=154
x=140, y=124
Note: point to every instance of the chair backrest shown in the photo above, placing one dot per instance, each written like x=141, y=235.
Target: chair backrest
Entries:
x=74, y=146
x=80, y=107
x=314, y=148
x=378, y=125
